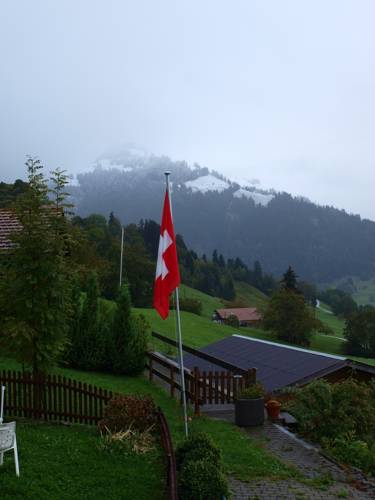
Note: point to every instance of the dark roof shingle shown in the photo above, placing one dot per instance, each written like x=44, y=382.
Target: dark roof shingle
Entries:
x=277, y=365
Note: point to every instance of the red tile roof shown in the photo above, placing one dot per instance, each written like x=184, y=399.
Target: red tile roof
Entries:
x=242, y=313
x=8, y=224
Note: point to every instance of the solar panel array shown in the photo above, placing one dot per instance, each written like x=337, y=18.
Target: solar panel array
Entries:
x=277, y=366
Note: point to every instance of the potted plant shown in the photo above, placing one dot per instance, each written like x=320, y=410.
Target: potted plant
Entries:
x=273, y=409
x=249, y=406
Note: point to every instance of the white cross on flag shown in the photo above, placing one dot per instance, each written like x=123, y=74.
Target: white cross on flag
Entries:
x=167, y=276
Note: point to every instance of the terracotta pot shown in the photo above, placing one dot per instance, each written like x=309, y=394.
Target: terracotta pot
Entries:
x=273, y=408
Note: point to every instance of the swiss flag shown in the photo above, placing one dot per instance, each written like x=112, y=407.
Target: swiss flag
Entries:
x=167, y=276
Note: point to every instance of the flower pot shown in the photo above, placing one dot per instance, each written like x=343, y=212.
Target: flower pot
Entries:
x=249, y=412
x=273, y=409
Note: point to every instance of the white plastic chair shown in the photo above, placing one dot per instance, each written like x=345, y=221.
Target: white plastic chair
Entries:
x=8, y=442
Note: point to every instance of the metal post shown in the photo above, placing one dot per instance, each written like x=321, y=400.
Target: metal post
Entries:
x=178, y=331
x=122, y=253
x=2, y=404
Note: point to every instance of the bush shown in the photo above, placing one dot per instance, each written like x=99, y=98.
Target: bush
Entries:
x=196, y=447
x=202, y=480
x=232, y=321
x=200, y=470
x=191, y=305
x=323, y=410
x=129, y=337
x=356, y=452
x=131, y=411
x=253, y=391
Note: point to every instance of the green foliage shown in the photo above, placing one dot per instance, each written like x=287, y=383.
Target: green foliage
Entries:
x=202, y=480
x=198, y=445
x=360, y=332
x=189, y=305
x=35, y=288
x=341, y=303
x=200, y=469
x=340, y=416
x=90, y=346
x=351, y=451
x=131, y=411
x=253, y=391
x=290, y=318
x=289, y=281
x=129, y=334
x=233, y=321
x=10, y=192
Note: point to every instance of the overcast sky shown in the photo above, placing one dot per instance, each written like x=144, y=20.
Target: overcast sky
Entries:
x=277, y=90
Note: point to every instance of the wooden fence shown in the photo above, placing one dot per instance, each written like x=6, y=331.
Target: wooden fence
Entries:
x=52, y=398
x=202, y=387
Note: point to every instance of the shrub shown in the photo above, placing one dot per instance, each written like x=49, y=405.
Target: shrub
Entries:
x=253, y=391
x=349, y=450
x=202, y=480
x=232, y=321
x=323, y=410
x=131, y=411
x=196, y=447
x=191, y=305
x=129, y=337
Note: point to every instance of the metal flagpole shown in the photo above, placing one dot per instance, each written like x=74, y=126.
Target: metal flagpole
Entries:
x=178, y=328
x=2, y=404
x=122, y=253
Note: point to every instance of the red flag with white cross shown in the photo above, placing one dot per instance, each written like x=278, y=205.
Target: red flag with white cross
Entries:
x=167, y=277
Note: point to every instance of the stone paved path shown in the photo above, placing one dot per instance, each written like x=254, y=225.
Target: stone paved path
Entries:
x=304, y=458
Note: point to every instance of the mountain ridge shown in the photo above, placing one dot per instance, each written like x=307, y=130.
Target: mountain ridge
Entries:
x=322, y=243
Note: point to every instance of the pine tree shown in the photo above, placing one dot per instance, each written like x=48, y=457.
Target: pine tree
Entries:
x=129, y=337
x=114, y=226
x=289, y=281
x=35, y=287
x=90, y=346
x=75, y=322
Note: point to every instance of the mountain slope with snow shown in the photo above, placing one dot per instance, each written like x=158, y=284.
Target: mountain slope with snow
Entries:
x=321, y=243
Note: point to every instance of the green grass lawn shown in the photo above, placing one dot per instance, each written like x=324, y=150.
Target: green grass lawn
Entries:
x=198, y=331
x=61, y=462
x=336, y=324
x=243, y=458
x=209, y=304
x=248, y=296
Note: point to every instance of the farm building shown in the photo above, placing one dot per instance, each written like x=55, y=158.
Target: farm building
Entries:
x=247, y=316
x=279, y=366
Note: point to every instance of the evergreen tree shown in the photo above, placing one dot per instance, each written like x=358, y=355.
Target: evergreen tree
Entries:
x=215, y=258
x=290, y=317
x=91, y=346
x=221, y=261
x=289, y=281
x=35, y=286
x=129, y=337
x=114, y=226
x=75, y=321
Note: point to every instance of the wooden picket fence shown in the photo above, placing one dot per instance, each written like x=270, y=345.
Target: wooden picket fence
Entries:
x=202, y=387
x=52, y=398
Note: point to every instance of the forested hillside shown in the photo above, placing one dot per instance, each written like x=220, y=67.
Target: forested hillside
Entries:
x=321, y=243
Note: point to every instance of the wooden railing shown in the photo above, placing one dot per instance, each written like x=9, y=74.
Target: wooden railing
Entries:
x=167, y=444
x=202, y=387
x=52, y=397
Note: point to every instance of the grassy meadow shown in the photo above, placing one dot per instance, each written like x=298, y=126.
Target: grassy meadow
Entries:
x=65, y=461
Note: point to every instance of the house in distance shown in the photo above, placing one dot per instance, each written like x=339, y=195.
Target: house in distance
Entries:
x=247, y=316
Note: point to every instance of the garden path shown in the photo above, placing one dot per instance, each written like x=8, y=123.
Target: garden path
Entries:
x=314, y=467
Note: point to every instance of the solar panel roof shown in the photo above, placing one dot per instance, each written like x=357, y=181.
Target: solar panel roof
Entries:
x=277, y=365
